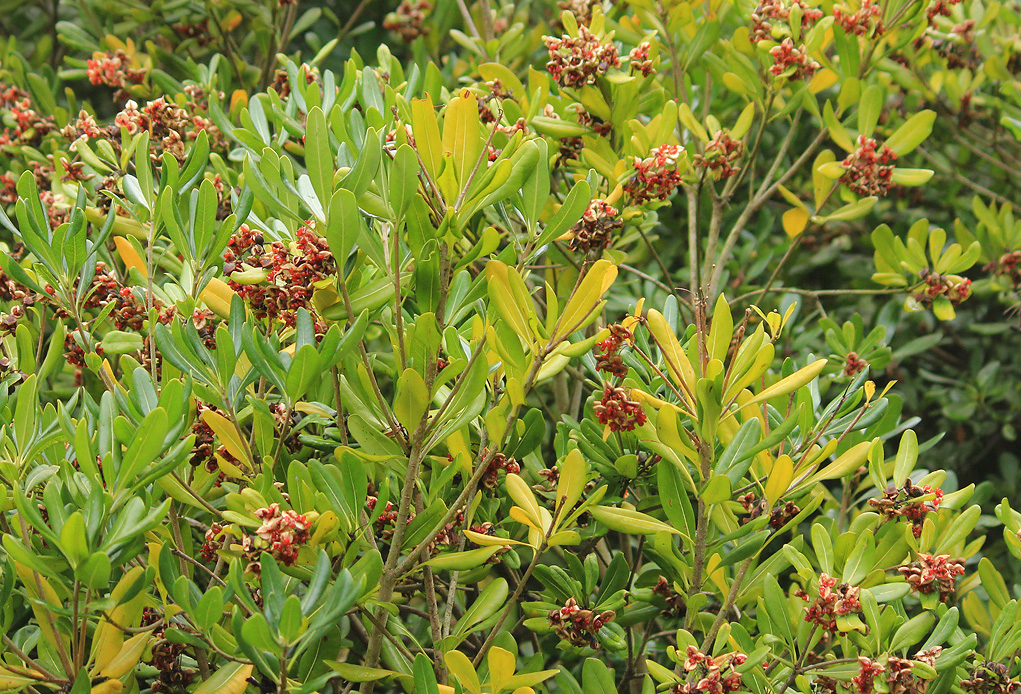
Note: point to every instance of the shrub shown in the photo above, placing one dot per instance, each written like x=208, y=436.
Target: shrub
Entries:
x=395, y=376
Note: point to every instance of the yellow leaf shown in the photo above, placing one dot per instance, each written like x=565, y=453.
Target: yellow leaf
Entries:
x=794, y=221
x=427, y=134
x=130, y=256
x=461, y=668
x=501, y=667
x=491, y=540
x=217, y=295
x=586, y=298
x=677, y=362
x=799, y=378
x=461, y=134
x=571, y=483
x=128, y=656
x=227, y=433
x=779, y=479
x=229, y=679
x=522, y=495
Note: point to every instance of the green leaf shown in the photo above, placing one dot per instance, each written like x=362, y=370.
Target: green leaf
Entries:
x=319, y=154
x=412, y=399
x=912, y=133
x=628, y=521
x=344, y=224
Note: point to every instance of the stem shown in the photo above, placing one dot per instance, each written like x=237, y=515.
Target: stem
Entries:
x=536, y=554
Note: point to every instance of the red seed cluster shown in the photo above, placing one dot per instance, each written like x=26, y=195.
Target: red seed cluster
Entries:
x=903, y=503
x=990, y=678
x=933, y=573
x=596, y=228
x=792, y=63
x=1007, y=266
x=292, y=269
x=387, y=520
x=718, y=675
x=498, y=463
x=639, y=61
x=868, y=670
x=577, y=60
x=900, y=678
x=578, y=626
x=212, y=542
x=939, y=8
x=854, y=364
x=770, y=18
x=408, y=20
x=868, y=170
x=956, y=289
x=609, y=360
x=675, y=601
x=617, y=411
x=834, y=601
x=282, y=534
x=866, y=21
x=656, y=176
x=721, y=156
x=169, y=126
x=114, y=69
x=29, y=126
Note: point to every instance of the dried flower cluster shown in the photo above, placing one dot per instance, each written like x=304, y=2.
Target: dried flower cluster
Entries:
x=868, y=170
x=1007, y=266
x=29, y=126
x=577, y=60
x=656, y=176
x=639, y=60
x=578, y=626
x=596, y=228
x=930, y=574
x=834, y=600
x=904, y=502
x=853, y=364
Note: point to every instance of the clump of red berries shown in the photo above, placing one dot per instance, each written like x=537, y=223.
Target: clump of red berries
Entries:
x=639, y=61
x=408, y=20
x=499, y=462
x=609, y=360
x=291, y=272
x=721, y=156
